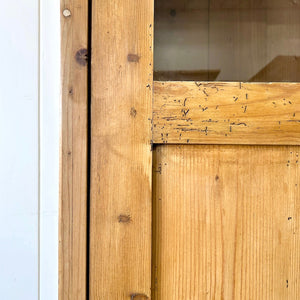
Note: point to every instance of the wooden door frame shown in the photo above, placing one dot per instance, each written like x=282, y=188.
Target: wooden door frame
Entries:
x=134, y=113
x=73, y=206
x=75, y=147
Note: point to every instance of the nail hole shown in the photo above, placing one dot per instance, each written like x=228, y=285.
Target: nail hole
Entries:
x=66, y=13
x=133, y=112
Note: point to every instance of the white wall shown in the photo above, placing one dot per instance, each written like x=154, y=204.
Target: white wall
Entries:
x=29, y=148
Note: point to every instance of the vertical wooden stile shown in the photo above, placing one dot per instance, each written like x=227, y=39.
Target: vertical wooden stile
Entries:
x=121, y=157
x=73, y=190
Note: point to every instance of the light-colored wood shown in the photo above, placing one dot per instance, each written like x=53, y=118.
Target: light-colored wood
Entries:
x=73, y=195
x=121, y=157
x=226, y=222
x=226, y=113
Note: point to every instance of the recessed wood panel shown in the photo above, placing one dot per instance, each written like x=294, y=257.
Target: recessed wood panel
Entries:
x=226, y=222
x=226, y=113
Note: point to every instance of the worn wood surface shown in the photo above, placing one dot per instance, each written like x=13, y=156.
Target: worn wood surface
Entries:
x=226, y=113
x=121, y=157
x=226, y=222
x=73, y=198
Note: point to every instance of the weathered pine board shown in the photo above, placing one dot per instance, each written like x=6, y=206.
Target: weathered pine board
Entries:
x=226, y=222
x=226, y=113
x=121, y=157
x=73, y=177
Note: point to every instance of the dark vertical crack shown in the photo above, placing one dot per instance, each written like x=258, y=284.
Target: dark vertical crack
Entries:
x=89, y=140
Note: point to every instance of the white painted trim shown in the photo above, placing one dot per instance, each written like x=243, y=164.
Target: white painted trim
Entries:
x=19, y=84
x=29, y=149
x=49, y=146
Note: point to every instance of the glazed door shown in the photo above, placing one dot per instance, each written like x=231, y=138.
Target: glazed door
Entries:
x=195, y=185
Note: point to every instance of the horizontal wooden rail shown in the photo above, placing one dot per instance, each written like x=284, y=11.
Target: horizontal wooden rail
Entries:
x=226, y=113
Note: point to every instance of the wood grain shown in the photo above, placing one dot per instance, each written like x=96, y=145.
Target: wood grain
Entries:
x=226, y=222
x=73, y=198
x=226, y=113
x=121, y=157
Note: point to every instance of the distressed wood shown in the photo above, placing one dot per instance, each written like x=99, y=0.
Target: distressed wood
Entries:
x=121, y=157
x=226, y=113
x=73, y=198
x=226, y=222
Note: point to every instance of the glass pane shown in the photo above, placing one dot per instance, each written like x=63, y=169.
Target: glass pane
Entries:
x=227, y=40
